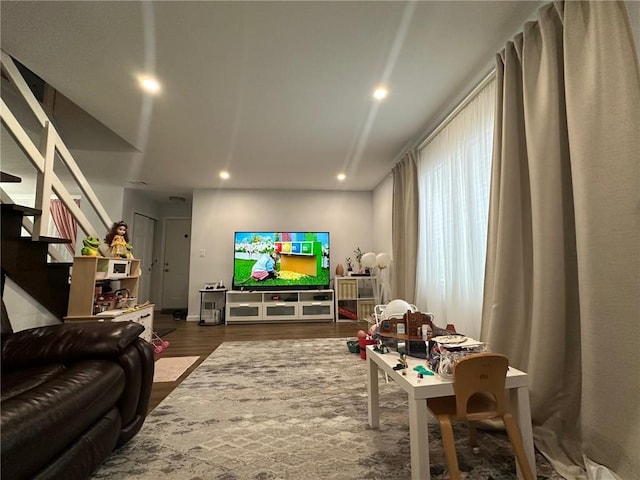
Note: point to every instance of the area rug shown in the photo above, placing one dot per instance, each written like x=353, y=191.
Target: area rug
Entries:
x=169, y=369
x=291, y=410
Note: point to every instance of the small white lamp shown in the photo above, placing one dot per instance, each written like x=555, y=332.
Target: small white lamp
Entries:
x=383, y=260
x=368, y=260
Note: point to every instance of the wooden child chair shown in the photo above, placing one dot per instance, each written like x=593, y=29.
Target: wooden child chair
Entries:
x=479, y=395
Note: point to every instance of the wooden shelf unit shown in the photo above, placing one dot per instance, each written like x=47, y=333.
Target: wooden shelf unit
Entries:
x=356, y=297
x=86, y=274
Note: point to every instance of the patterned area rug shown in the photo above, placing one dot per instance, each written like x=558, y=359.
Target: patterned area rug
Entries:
x=295, y=410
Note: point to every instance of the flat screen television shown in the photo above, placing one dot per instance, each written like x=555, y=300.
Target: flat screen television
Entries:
x=281, y=260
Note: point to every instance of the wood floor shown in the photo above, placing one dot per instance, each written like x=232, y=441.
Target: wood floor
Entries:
x=191, y=339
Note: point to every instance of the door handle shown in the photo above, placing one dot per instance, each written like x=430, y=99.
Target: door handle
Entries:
x=166, y=269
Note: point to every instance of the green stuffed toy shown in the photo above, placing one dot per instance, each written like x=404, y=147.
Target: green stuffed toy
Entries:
x=91, y=247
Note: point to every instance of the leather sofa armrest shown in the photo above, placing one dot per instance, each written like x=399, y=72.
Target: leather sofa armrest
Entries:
x=138, y=364
x=67, y=343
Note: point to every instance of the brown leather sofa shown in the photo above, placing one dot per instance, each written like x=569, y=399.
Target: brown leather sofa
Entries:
x=70, y=395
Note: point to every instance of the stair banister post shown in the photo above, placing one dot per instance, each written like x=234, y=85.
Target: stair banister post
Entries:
x=44, y=180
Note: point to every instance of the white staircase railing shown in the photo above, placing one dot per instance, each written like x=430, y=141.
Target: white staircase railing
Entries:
x=43, y=157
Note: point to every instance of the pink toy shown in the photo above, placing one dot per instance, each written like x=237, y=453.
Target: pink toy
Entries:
x=158, y=343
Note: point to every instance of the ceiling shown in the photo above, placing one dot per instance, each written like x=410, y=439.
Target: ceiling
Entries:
x=277, y=93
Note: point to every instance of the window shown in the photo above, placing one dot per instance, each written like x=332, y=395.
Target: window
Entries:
x=454, y=171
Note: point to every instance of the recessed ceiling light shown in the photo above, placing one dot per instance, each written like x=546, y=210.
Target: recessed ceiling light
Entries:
x=224, y=175
x=149, y=84
x=341, y=176
x=380, y=93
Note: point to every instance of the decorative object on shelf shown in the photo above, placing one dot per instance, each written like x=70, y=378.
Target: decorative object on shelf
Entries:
x=90, y=246
x=358, y=254
x=368, y=261
x=118, y=240
x=339, y=270
x=349, y=264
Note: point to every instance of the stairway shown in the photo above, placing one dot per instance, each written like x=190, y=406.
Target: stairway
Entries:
x=24, y=260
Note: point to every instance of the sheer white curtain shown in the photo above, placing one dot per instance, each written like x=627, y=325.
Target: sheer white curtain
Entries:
x=454, y=171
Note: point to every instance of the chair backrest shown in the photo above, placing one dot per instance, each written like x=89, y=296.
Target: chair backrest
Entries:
x=478, y=374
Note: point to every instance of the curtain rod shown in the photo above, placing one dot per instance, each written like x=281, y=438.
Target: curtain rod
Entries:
x=483, y=83
x=420, y=143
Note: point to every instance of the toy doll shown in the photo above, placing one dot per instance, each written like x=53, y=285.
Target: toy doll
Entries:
x=118, y=239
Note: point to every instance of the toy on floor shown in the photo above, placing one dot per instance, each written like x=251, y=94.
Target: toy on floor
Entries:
x=158, y=343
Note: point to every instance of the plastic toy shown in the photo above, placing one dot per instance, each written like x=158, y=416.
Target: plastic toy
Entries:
x=158, y=343
x=422, y=370
x=90, y=247
x=118, y=240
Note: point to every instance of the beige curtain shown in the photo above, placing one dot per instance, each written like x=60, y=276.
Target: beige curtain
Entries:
x=405, y=227
x=562, y=278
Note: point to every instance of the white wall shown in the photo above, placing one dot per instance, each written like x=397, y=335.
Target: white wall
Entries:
x=111, y=197
x=217, y=214
x=137, y=201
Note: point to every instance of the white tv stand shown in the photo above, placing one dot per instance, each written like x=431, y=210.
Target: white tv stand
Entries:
x=279, y=306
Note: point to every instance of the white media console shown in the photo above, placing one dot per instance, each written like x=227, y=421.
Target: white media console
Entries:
x=279, y=306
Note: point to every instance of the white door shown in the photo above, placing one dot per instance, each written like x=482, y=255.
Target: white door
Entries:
x=142, y=240
x=177, y=251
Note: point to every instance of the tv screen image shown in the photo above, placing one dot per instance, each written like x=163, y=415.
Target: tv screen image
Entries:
x=281, y=260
